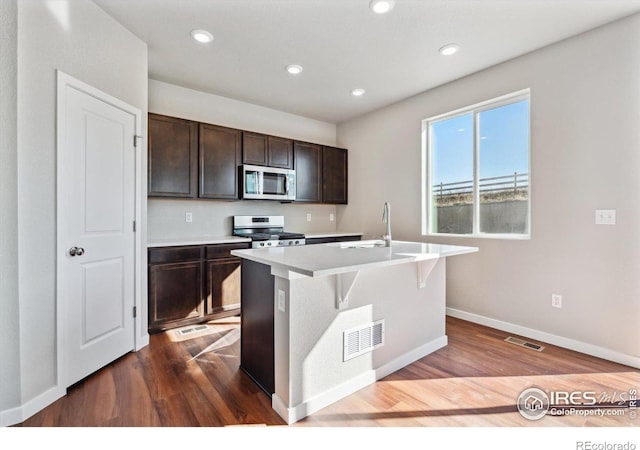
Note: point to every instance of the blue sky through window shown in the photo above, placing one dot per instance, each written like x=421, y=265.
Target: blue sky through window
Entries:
x=503, y=145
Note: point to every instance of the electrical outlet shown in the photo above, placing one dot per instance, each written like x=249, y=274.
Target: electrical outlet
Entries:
x=308, y=217
x=281, y=302
x=605, y=216
x=556, y=300
x=331, y=217
x=188, y=217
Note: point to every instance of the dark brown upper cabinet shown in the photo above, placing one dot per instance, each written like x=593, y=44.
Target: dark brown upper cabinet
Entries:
x=262, y=150
x=172, y=157
x=308, y=166
x=198, y=160
x=220, y=156
x=280, y=152
x=254, y=148
x=334, y=175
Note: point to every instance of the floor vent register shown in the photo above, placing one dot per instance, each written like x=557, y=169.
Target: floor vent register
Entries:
x=193, y=329
x=525, y=344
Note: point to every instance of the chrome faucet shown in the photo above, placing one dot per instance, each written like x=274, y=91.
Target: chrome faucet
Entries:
x=386, y=218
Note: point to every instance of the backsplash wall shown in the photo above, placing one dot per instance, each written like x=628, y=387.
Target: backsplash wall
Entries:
x=166, y=217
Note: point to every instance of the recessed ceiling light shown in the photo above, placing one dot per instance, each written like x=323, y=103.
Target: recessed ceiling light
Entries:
x=358, y=92
x=449, y=49
x=294, y=69
x=202, y=36
x=381, y=6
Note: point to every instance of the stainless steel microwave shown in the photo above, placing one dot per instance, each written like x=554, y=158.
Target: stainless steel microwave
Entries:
x=268, y=183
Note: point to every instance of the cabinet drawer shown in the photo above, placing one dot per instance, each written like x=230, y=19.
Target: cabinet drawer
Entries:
x=175, y=254
x=224, y=250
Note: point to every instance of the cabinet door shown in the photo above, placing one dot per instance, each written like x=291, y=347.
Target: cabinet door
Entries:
x=223, y=285
x=220, y=156
x=254, y=148
x=308, y=166
x=280, y=152
x=175, y=294
x=172, y=157
x=334, y=175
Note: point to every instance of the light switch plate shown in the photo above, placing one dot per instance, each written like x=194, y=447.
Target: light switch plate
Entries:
x=188, y=217
x=605, y=216
x=308, y=217
x=331, y=217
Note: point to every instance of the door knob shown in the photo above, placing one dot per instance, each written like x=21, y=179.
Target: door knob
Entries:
x=76, y=251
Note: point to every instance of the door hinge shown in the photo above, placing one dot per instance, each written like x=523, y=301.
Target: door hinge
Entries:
x=135, y=140
x=135, y=311
x=134, y=226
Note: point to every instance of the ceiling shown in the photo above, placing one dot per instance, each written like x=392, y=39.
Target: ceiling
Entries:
x=342, y=45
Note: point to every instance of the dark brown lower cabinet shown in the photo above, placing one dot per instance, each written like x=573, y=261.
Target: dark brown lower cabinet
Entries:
x=175, y=294
x=223, y=285
x=193, y=284
x=256, y=326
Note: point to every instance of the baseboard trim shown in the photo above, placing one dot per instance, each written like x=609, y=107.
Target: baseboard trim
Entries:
x=411, y=356
x=560, y=341
x=21, y=413
x=299, y=412
x=316, y=403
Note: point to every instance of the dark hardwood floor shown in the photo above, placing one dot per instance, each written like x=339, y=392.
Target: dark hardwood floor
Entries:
x=195, y=381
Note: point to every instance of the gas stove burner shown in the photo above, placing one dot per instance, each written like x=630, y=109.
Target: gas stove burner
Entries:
x=266, y=231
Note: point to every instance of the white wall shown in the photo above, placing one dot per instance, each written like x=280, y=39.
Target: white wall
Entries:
x=585, y=111
x=309, y=331
x=9, y=342
x=212, y=217
x=80, y=39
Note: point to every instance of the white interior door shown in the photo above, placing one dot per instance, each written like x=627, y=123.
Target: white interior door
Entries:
x=96, y=240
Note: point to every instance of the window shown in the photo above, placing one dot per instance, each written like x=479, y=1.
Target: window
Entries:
x=476, y=179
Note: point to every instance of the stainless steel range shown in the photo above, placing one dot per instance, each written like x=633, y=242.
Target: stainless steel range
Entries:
x=265, y=231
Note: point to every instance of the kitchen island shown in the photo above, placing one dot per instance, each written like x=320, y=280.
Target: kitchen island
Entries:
x=320, y=322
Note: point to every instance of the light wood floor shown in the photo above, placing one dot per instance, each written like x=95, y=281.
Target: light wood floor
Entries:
x=475, y=381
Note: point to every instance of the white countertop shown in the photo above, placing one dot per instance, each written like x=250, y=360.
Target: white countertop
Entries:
x=330, y=259
x=328, y=234
x=203, y=240
x=211, y=240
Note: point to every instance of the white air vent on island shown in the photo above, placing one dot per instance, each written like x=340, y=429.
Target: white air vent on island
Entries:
x=363, y=339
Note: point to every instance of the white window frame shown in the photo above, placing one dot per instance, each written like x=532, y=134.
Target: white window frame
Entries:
x=427, y=188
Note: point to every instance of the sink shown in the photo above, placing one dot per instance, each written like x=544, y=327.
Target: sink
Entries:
x=358, y=244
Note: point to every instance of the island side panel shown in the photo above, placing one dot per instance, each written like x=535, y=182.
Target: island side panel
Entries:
x=414, y=327
x=257, y=330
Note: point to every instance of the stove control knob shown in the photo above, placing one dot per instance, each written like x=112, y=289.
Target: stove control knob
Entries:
x=297, y=242
x=261, y=244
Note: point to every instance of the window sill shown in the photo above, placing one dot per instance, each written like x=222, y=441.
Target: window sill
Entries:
x=507, y=237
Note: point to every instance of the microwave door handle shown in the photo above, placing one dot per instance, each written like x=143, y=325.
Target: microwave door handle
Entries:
x=286, y=184
x=260, y=181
